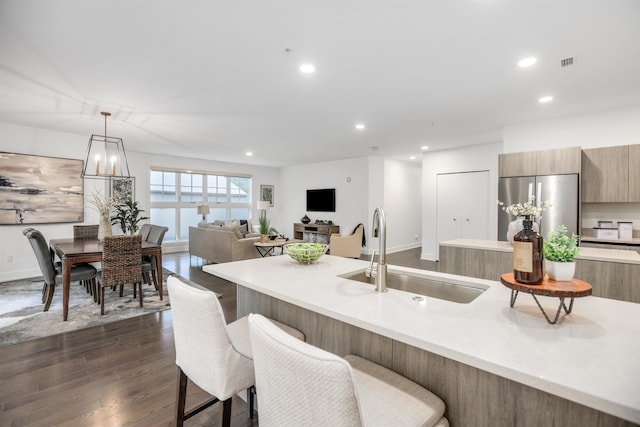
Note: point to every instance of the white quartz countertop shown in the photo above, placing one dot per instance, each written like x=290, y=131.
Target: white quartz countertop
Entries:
x=589, y=357
x=594, y=254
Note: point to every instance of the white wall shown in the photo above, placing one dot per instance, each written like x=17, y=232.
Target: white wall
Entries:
x=619, y=126
x=374, y=181
x=27, y=140
x=402, y=204
x=350, y=179
x=468, y=159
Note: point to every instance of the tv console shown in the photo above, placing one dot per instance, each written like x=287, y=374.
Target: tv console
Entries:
x=315, y=233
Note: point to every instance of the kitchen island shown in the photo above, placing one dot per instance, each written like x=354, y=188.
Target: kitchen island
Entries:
x=491, y=364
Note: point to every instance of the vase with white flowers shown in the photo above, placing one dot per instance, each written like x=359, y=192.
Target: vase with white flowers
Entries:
x=528, y=209
x=560, y=252
x=104, y=206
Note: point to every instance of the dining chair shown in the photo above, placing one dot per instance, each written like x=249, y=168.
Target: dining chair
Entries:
x=121, y=265
x=52, y=275
x=215, y=356
x=149, y=266
x=85, y=231
x=144, y=231
x=299, y=384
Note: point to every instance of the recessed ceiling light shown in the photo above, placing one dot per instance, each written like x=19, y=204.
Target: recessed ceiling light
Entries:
x=360, y=126
x=424, y=147
x=545, y=99
x=412, y=158
x=307, y=68
x=527, y=62
x=248, y=153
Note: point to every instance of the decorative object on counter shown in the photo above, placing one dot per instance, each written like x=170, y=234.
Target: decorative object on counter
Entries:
x=306, y=253
x=516, y=226
x=527, y=254
x=548, y=288
x=263, y=207
x=128, y=215
x=605, y=224
x=521, y=210
x=625, y=230
x=104, y=206
x=305, y=219
x=605, y=233
x=560, y=252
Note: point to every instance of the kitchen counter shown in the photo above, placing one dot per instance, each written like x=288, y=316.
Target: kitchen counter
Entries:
x=594, y=254
x=589, y=357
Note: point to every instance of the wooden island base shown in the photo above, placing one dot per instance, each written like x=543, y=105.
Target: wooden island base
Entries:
x=473, y=397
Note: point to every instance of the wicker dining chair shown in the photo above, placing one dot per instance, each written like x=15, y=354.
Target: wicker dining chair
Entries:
x=121, y=265
x=85, y=231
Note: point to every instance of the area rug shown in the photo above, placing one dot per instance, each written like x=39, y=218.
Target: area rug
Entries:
x=22, y=318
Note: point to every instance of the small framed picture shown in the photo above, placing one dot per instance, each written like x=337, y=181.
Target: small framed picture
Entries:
x=123, y=188
x=266, y=193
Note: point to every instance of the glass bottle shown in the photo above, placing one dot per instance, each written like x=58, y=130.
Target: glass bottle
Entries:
x=527, y=255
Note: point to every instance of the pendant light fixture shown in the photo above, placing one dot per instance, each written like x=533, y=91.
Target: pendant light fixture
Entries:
x=105, y=158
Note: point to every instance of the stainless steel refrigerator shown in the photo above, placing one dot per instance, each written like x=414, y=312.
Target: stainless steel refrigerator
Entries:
x=561, y=190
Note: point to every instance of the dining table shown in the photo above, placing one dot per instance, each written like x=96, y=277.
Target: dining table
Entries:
x=75, y=251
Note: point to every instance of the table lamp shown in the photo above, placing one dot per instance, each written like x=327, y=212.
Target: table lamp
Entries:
x=203, y=210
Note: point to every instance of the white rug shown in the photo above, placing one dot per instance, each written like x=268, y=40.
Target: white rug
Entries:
x=22, y=318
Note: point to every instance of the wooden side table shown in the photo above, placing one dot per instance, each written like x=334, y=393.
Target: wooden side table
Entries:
x=548, y=288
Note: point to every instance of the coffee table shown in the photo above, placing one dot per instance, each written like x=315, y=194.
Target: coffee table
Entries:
x=268, y=248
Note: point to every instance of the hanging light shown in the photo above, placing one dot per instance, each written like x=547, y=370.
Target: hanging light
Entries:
x=105, y=156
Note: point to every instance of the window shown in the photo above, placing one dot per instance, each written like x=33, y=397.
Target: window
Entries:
x=175, y=196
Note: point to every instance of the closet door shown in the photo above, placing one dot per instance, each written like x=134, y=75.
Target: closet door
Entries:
x=463, y=205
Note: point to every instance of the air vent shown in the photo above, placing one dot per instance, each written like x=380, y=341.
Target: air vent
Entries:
x=567, y=62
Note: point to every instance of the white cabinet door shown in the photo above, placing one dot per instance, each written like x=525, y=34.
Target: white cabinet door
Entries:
x=463, y=206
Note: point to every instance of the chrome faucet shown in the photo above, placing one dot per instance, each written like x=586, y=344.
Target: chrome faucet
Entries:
x=380, y=231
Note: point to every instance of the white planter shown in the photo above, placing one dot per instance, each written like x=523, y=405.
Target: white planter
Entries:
x=104, y=228
x=516, y=226
x=560, y=271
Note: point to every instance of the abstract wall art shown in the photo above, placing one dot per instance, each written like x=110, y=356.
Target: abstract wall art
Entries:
x=40, y=190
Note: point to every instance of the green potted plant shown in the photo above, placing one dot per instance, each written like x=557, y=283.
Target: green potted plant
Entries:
x=560, y=252
x=264, y=228
x=128, y=215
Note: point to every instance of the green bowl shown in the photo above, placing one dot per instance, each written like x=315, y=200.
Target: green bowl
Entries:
x=306, y=253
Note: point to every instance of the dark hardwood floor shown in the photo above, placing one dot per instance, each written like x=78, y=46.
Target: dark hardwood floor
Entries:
x=122, y=373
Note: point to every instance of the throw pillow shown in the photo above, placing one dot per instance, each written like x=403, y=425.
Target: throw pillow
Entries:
x=238, y=232
x=234, y=223
x=244, y=230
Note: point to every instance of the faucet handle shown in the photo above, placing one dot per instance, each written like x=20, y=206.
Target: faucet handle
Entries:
x=370, y=272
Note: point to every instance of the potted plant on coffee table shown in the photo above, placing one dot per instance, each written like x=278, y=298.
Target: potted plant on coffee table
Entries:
x=560, y=252
x=264, y=228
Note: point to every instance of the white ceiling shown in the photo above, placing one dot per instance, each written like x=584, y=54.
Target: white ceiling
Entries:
x=211, y=79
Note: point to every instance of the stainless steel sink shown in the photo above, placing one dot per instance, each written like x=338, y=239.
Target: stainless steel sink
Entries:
x=449, y=291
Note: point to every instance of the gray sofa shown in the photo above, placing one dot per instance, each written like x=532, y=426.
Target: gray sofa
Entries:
x=221, y=244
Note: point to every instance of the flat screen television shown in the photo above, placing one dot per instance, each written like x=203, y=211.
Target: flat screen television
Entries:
x=322, y=200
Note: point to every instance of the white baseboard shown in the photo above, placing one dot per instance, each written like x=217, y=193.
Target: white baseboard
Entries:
x=20, y=274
